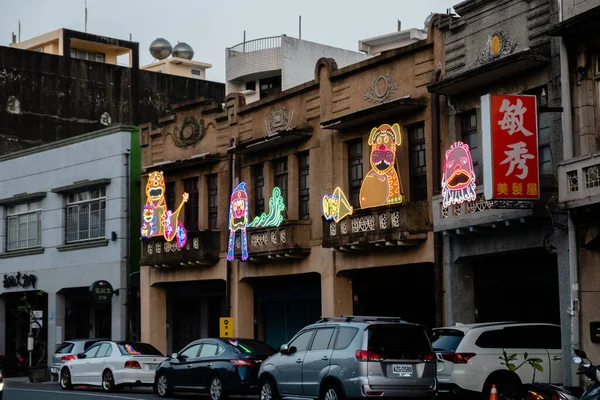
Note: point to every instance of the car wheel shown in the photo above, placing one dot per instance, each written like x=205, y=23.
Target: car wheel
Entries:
x=108, y=381
x=216, y=389
x=268, y=390
x=331, y=392
x=65, y=379
x=162, y=387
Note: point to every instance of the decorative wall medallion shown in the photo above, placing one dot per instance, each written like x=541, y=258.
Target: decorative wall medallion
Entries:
x=498, y=45
x=105, y=119
x=191, y=132
x=382, y=87
x=278, y=121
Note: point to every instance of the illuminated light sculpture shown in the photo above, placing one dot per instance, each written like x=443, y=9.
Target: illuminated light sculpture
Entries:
x=458, y=180
x=238, y=221
x=156, y=218
x=382, y=186
x=335, y=206
x=275, y=215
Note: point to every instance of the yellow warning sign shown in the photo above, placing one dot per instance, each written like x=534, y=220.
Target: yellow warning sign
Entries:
x=226, y=327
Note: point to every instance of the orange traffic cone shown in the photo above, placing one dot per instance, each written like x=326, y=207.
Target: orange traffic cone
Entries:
x=493, y=393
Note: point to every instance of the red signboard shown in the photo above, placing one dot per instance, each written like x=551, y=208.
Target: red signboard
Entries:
x=510, y=147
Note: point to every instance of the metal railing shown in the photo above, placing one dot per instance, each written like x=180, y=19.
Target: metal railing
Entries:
x=257, y=45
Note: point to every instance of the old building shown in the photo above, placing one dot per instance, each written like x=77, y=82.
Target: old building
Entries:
x=503, y=235
x=313, y=201
x=66, y=241
x=579, y=173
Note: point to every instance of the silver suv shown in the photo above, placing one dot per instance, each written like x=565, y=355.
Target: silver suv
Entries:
x=352, y=357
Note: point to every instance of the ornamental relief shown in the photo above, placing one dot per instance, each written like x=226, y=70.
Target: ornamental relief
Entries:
x=189, y=133
x=498, y=45
x=382, y=88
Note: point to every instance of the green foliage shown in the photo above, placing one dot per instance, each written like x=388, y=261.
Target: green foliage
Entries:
x=511, y=362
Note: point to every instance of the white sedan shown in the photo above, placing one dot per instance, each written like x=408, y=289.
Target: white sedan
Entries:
x=112, y=365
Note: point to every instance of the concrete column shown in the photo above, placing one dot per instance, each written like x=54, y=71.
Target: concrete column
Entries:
x=242, y=305
x=204, y=318
x=336, y=294
x=118, y=324
x=2, y=326
x=292, y=200
x=564, y=299
x=56, y=323
x=460, y=293
x=153, y=312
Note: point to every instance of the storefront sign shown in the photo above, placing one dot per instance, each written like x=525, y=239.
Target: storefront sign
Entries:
x=37, y=319
x=336, y=206
x=275, y=215
x=510, y=147
x=382, y=186
x=156, y=218
x=238, y=221
x=226, y=327
x=102, y=292
x=458, y=180
x=25, y=281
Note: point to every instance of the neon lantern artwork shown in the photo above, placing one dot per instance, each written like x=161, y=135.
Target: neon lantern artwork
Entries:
x=156, y=218
x=382, y=186
x=275, y=215
x=458, y=180
x=238, y=220
x=335, y=206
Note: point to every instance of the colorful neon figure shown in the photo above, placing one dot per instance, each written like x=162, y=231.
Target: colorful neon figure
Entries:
x=458, y=180
x=156, y=218
x=335, y=206
x=275, y=215
x=238, y=221
x=382, y=186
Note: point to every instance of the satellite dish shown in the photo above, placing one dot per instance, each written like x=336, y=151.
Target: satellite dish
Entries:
x=160, y=48
x=183, y=50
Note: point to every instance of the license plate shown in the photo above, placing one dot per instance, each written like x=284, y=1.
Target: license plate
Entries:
x=152, y=367
x=402, y=369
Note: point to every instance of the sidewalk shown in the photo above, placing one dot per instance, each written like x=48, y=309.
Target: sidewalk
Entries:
x=25, y=379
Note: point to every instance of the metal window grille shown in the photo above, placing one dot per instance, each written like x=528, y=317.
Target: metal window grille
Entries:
x=355, y=170
x=86, y=215
x=213, y=202
x=303, y=186
x=573, y=180
x=417, y=161
x=281, y=177
x=24, y=226
x=468, y=127
x=592, y=176
x=259, y=185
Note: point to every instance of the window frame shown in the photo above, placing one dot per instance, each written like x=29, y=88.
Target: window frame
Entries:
x=192, y=206
x=281, y=177
x=258, y=177
x=541, y=95
x=357, y=161
x=418, y=173
x=16, y=215
x=69, y=204
x=212, y=193
x=304, y=192
x=467, y=130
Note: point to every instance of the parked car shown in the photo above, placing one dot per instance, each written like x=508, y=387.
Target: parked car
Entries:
x=217, y=366
x=469, y=356
x=68, y=350
x=352, y=357
x=112, y=365
x=1, y=385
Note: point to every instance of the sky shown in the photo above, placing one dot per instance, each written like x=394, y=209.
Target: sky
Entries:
x=210, y=26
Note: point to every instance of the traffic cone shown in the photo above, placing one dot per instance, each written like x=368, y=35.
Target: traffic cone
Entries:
x=493, y=393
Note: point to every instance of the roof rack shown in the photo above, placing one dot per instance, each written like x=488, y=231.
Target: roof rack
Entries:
x=360, y=318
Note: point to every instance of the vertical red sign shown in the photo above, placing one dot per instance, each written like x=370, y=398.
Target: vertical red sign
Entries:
x=510, y=147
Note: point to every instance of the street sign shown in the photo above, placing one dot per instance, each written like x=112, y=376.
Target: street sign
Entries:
x=226, y=327
x=37, y=317
x=102, y=292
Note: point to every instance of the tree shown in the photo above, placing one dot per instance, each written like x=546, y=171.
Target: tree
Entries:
x=27, y=308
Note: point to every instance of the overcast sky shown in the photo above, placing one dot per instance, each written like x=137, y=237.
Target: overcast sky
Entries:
x=210, y=26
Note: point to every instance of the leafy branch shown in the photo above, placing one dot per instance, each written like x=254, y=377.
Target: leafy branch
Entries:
x=511, y=362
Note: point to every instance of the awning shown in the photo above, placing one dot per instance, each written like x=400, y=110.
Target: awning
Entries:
x=270, y=142
x=199, y=160
x=582, y=22
x=488, y=73
x=375, y=114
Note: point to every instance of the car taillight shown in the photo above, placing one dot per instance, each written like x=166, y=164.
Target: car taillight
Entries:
x=555, y=396
x=428, y=357
x=241, y=362
x=364, y=355
x=132, y=364
x=69, y=357
x=458, y=358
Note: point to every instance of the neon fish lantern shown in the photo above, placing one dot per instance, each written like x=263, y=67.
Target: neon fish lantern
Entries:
x=275, y=216
x=458, y=181
x=238, y=220
x=156, y=218
x=335, y=206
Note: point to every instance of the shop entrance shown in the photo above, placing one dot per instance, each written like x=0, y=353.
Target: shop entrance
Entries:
x=84, y=318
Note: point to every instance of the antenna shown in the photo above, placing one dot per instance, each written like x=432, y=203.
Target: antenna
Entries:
x=85, y=16
x=399, y=25
x=244, y=41
x=130, y=37
x=19, y=31
x=300, y=27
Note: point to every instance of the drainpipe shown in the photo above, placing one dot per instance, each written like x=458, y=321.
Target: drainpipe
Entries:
x=128, y=244
x=231, y=161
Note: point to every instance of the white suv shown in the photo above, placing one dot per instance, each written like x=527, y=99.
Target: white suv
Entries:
x=468, y=356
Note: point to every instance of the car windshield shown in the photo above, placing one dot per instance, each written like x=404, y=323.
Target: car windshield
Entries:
x=141, y=349
x=446, y=340
x=398, y=342
x=245, y=346
x=65, y=348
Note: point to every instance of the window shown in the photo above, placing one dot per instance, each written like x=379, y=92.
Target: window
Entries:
x=213, y=202
x=87, y=55
x=86, y=215
x=398, y=342
x=468, y=129
x=301, y=342
x=137, y=348
x=355, y=170
x=303, y=186
x=24, y=226
x=191, y=352
x=92, y=351
x=281, y=177
x=105, y=350
x=545, y=151
x=258, y=172
x=251, y=85
x=196, y=72
x=191, y=207
x=270, y=85
x=209, y=350
x=322, y=339
x=417, y=162
x=65, y=348
x=170, y=195
x=446, y=339
x=345, y=336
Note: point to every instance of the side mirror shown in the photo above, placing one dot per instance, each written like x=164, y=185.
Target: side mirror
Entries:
x=81, y=355
x=577, y=360
x=284, y=349
x=174, y=356
x=292, y=350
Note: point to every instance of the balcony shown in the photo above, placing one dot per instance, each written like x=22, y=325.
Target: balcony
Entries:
x=289, y=241
x=202, y=248
x=254, y=57
x=387, y=226
x=579, y=181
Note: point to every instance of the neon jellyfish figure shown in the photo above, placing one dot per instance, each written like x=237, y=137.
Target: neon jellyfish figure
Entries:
x=238, y=221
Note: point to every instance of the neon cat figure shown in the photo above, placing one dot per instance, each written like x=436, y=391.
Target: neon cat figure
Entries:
x=238, y=221
x=156, y=218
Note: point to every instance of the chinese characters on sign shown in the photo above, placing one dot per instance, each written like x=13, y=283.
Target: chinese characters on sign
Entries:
x=510, y=147
x=102, y=292
x=24, y=281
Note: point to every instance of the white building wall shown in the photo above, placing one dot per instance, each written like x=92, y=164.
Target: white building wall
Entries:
x=572, y=8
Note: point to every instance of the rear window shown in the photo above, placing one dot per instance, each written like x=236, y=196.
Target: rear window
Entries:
x=65, y=348
x=398, y=342
x=446, y=340
x=89, y=344
x=142, y=349
x=345, y=336
x=251, y=347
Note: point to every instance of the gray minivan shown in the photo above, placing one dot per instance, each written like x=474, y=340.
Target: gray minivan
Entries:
x=351, y=357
